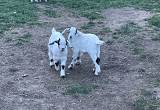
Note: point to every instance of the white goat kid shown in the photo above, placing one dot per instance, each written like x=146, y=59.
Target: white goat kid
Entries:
x=57, y=51
x=38, y=0
x=81, y=42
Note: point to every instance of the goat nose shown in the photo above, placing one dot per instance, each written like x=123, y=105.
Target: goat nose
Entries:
x=63, y=49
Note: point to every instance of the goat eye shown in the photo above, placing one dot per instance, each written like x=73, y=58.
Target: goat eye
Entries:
x=70, y=37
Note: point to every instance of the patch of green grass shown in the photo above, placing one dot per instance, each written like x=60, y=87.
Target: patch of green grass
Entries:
x=115, y=37
x=138, y=51
x=14, y=33
x=109, y=40
x=87, y=8
x=14, y=13
x=36, y=23
x=89, y=25
x=155, y=21
x=156, y=38
x=136, y=47
x=91, y=8
x=140, y=103
x=148, y=57
x=8, y=39
x=147, y=101
x=91, y=14
x=156, y=83
x=144, y=56
x=128, y=29
x=51, y=13
x=24, y=39
x=146, y=104
x=105, y=30
x=146, y=93
x=79, y=89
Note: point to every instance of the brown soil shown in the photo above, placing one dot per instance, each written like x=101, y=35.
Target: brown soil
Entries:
x=115, y=18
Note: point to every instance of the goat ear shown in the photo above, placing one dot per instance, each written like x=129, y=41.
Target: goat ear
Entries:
x=67, y=29
x=76, y=31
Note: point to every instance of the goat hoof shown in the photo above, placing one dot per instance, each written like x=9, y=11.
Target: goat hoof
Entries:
x=62, y=76
x=96, y=74
x=51, y=66
x=70, y=67
x=94, y=70
x=78, y=63
x=56, y=68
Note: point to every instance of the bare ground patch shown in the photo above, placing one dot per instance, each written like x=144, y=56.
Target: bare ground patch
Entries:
x=115, y=18
x=27, y=82
x=66, y=19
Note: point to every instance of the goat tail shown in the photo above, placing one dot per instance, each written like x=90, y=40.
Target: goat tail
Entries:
x=98, y=51
x=100, y=42
x=53, y=30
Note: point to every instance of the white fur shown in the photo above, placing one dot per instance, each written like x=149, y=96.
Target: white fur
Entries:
x=38, y=0
x=55, y=51
x=82, y=42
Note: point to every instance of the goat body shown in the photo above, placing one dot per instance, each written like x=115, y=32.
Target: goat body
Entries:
x=86, y=43
x=82, y=42
x=57, y=51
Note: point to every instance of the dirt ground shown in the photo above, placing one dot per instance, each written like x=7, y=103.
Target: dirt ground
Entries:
x=28, y=83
